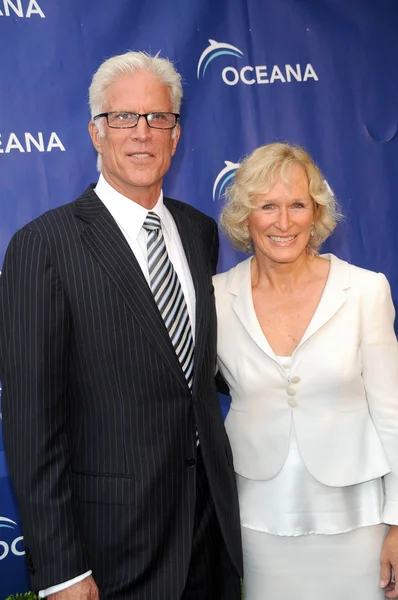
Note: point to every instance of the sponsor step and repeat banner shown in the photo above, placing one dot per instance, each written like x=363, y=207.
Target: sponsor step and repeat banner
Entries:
x=321, y=74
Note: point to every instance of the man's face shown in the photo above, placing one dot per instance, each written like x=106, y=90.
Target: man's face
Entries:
x=134, y=161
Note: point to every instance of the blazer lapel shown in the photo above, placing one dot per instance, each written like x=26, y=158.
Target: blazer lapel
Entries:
x=109, y=247
x=333, y=297
x=192, y=245
x=240, y=287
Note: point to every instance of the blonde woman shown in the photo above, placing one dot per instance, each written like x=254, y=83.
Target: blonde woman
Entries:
x=307, y=347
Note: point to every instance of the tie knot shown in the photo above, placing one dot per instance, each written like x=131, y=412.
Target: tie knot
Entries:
x=152, y=222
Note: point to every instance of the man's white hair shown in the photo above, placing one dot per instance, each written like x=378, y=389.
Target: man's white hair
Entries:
x=127, y=64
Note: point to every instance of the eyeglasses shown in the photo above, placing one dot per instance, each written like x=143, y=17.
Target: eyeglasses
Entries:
x=127, y=120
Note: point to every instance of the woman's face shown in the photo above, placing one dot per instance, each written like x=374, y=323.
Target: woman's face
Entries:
x=280, y=224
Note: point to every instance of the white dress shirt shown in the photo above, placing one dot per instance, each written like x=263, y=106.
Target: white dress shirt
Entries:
x=130, y=218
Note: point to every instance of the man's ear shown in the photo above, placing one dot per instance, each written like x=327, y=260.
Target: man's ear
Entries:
x=175, y=139
x=95, y=136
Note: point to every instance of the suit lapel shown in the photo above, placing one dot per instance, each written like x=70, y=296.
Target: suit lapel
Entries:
x=110, y=249
x=191, y=243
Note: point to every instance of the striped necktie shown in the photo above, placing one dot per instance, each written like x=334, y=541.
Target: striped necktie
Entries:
x=168, y=294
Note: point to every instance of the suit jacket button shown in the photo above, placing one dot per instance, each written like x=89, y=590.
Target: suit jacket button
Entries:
x=291, y=391
x=292, y=402
x=295, y=379
x=191, y=462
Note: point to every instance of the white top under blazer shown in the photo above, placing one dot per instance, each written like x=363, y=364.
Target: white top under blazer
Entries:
x=294, y=503
x=335, y=414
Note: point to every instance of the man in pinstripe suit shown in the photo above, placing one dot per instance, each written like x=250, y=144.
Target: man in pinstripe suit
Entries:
x=116, y=446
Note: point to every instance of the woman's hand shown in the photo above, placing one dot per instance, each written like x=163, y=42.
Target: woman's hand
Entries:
x=389, y=561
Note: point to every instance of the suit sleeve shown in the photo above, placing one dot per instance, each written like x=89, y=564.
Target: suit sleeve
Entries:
x=215, y=246
x=379, y=351
x=35, y=331
x=221, y=384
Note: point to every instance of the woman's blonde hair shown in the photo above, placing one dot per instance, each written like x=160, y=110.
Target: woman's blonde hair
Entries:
x=257, y=174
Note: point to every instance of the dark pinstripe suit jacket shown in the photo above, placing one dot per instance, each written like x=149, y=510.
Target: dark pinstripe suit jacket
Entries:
x=99, y=424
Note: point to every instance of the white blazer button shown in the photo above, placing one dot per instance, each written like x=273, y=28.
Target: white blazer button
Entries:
x=292, y=402
x=291, y=391
x=295, y=379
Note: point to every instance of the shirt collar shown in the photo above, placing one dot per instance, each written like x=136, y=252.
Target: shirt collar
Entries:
x=127, y=213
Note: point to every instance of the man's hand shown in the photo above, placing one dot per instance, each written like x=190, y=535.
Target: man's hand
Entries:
x=84, y=590
x=389, y=564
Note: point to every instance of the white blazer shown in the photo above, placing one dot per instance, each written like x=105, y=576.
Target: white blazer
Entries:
x=343, y=388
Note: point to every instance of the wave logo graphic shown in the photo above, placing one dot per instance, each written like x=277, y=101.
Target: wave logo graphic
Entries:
x=212, y=51
x=4, y=522
x=15, y=547
x=223, y=178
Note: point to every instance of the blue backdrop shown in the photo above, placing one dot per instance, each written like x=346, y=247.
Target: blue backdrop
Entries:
x=319, y=73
